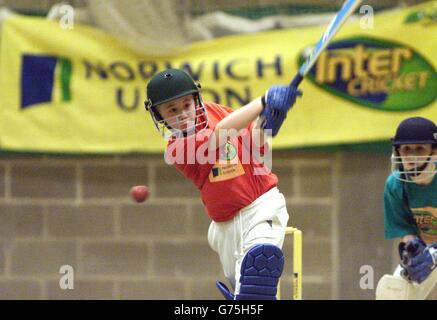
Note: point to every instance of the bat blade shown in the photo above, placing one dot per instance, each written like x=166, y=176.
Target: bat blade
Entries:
x=346, y=10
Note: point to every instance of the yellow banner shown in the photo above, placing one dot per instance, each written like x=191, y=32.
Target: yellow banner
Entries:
x=82, y=91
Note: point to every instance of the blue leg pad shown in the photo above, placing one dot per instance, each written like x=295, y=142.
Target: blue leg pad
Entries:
x=260, y=271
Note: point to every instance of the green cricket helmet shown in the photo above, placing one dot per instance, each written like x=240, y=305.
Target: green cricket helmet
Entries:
x=169, y=85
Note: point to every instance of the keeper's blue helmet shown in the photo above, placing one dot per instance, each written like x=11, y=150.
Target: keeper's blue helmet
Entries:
x=416, y=130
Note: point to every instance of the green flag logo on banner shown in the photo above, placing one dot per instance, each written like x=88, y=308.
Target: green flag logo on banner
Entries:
x=39, y=75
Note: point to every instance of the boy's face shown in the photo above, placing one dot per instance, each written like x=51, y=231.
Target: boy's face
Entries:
x=414, y=155
x=180, y=113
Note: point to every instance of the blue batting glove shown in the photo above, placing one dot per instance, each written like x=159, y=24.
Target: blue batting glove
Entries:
x=411, y=249
x=407, y=251
x=422, y=265
x=277, y=101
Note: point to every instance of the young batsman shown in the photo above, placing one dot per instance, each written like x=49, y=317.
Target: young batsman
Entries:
x=410, y=208
x=212, y=145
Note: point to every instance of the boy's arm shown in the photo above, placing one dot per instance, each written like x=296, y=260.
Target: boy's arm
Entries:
x=240, y=118
x=237, y=120
x=272, y=107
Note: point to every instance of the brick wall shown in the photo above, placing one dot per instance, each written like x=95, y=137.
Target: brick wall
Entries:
x=76, y=211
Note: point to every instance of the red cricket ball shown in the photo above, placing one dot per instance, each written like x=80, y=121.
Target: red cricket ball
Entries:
x=140, y=193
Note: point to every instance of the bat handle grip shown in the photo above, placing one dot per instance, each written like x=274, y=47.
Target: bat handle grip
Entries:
x=296, y=80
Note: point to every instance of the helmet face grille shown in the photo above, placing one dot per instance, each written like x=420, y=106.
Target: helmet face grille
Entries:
x=173, y=127
x=419, y=168
x=178, y=127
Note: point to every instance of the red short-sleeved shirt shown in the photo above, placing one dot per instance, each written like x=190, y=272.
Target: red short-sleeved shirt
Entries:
x=227, y=179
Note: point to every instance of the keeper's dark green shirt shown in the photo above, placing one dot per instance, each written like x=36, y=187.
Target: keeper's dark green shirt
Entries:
x=422, y=200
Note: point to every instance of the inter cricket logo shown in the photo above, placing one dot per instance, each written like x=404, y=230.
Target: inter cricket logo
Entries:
x=426, y=219
x=376, y=73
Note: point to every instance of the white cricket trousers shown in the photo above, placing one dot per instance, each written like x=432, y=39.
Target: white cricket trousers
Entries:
x=263, y=221
x=423, y=290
